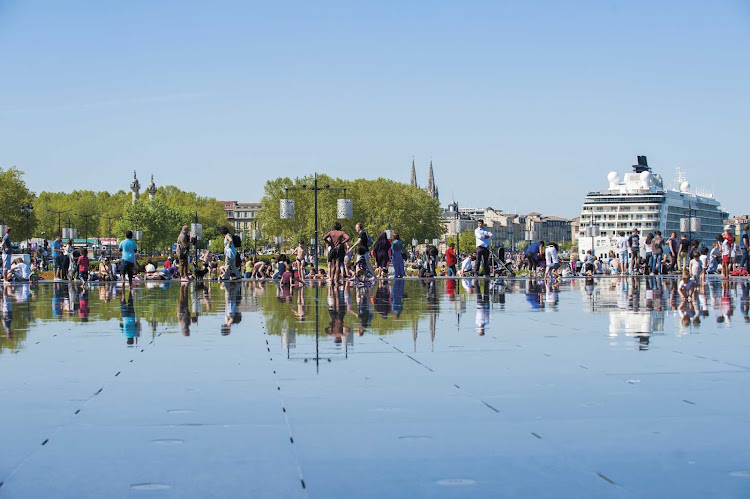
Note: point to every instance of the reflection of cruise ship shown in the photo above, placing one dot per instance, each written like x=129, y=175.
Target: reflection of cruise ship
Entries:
x=640, y=201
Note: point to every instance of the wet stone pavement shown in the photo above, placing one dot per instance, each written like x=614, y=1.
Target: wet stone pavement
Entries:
x=438, y=388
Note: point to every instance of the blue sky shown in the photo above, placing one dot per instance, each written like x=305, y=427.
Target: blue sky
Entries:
x=523, y=106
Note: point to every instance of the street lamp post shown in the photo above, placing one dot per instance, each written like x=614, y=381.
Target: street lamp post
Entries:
x=27, y=210
x=109, y=243
x=59, y=215
x=86, y=226
x=346, y=206
x=197, y=233
x=256, y=233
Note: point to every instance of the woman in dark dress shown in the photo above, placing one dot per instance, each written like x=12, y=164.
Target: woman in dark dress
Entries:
x=382, y=248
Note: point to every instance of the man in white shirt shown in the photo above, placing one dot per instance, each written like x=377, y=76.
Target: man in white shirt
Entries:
x=19, y=270
x=552, y=259
x=483, y=248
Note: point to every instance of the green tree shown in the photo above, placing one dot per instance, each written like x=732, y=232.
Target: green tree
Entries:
x=410, y=211
x=466, y=241
x=14, y=193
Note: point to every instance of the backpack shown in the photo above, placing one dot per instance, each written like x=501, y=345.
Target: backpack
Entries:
x=236, y=241
x=369, y=240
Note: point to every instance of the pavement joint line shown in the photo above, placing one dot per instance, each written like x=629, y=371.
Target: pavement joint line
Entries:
x=488, y=405
x=537, y=436
x=415, y=360
x=606, y=479
x=688, y=402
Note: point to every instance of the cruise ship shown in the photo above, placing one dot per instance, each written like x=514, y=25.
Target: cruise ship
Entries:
x=640, y=201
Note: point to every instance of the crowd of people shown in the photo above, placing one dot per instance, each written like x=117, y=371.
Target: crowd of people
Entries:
x=360, y=258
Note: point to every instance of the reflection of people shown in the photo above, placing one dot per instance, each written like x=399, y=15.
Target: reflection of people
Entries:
x=398, y=296
x=383, y=299
x=130, y=327
x=483, y=306
x=83, y=305
x=183, y=309
x=231, y=300
x=7, y=306
x=337, y=311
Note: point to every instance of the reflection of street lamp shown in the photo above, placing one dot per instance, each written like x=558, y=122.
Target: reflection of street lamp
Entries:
x=27, y=210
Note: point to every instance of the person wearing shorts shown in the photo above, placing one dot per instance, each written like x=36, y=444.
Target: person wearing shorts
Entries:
x=128, y=248
x=336, y=240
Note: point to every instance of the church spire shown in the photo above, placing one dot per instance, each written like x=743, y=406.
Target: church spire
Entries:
x=413, y=174
x=431, y=187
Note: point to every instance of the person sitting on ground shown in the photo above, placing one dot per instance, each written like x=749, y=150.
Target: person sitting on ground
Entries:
x=19, y=271
x=467, y=265
x=152, y=274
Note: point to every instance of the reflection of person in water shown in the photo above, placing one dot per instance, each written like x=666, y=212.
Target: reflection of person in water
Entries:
x=232, y=298
x=337, y=311
x=533, y=292
x=745, y=300
x=183, y=309
x=300, y=310
x=398, y=296
x=130, y=327
x=727, y=308
x=483, y=306
x=83, y=304
x=57, y=299
x=363, y=309
x=7, y=306
x=383, y=299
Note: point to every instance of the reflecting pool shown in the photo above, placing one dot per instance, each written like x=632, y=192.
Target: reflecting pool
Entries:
x=609, y=387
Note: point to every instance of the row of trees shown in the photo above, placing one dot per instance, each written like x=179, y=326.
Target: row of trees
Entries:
x=105, y=213
x=411, y=212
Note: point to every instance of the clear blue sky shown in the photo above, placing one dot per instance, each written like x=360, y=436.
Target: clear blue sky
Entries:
x=521, y=105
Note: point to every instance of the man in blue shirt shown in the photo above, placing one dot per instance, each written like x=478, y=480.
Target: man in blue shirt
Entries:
x=744, y=247
x=532, y=254
x=129, y=248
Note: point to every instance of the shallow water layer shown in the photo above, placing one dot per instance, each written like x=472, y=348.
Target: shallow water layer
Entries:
x=437, y=388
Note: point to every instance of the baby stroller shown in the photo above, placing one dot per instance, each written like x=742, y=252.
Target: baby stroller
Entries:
x=498, y=263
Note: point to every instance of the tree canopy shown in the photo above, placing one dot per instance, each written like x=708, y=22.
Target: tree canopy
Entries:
x=97, y=213
x=410, y=211
x=14, y=193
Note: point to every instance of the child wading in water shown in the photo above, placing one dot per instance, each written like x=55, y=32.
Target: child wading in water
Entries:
x=83, y=266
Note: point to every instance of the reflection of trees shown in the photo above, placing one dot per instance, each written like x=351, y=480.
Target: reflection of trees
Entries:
x=281, y=315
x=155, y=304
